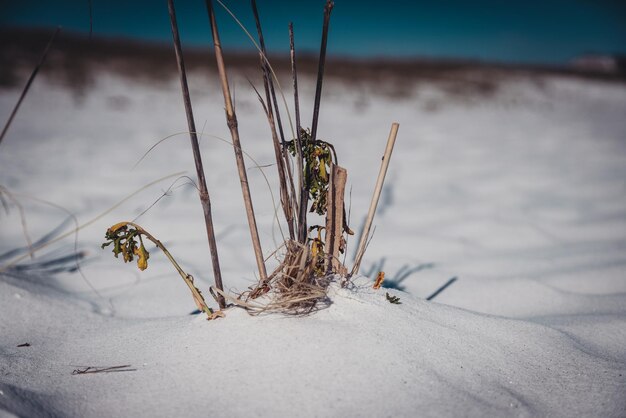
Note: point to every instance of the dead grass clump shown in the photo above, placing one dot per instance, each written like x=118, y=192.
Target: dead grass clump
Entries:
x=294, y=287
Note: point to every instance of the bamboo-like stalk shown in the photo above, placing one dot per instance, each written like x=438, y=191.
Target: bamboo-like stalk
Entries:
x=375, y=197
x=231, y=120
x=320, y=71
x=286, y=198
x=204, y=194
x=29, y=82
x=303, y=198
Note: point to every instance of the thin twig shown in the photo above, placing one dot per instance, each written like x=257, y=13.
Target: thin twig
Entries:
x=231, y=120
x=95, y=369
x=280, y=90
x=88, y=223
x=77, y=255
x=22, y=213
x=375, y=197
x=304, y=195
x=264, y=61
x=279, y=123
x=255, y=163
x=204, y=194
x=90, y=19
x=286, y=208
x=286, y=198
x=320, y=71
x=167, y=192
x=441, y=289
x=29, y=82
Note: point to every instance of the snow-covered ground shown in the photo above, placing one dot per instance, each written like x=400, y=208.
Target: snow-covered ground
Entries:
x=520, y=195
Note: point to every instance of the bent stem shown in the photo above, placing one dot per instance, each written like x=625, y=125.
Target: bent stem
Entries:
x=113, y=234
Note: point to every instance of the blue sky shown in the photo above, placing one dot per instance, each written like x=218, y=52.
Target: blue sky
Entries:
x=548, y=32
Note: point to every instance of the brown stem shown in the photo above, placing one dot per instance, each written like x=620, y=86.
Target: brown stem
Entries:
x=285, y=197
x=304, y=195
x=231, y=120
x=320, y=71
x=197, y=296
x=281, y=161
x=264, y=61
x=204, y=194
x=276, y=110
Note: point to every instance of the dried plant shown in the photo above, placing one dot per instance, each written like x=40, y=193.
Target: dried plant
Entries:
x=309, y=257
x=392, y=299
x=126, y=238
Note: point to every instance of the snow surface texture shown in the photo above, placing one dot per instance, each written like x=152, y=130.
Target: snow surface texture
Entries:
x=521, y=195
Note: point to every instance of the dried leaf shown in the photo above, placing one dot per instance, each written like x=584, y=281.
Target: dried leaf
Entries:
x=393, y=299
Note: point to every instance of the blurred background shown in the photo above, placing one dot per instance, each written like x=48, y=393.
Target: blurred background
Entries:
x=550, y=32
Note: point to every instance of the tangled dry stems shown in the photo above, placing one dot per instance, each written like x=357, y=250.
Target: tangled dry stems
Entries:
x=295, y=287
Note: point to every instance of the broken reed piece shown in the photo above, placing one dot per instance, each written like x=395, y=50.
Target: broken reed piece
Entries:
x=231, y=120
x=377, y=190
x=202, y=187
x=334, y=219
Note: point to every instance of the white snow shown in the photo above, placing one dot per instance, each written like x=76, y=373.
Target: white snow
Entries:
x=520, y=195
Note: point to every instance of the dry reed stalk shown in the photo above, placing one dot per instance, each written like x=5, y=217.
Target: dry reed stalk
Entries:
x=270, y=80
x=29, y=82
x=302, y=201
x=375, y=197
x=204, y=194
x=264, y=59
x=282, y=161
x=304, y=195
x=320, y=71
x=285, y=198
x=231, y=120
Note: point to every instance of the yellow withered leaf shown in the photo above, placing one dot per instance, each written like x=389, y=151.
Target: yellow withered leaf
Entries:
x=323, y=174
x=142, y=257
x=117, y=226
